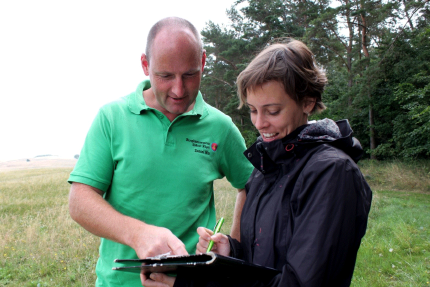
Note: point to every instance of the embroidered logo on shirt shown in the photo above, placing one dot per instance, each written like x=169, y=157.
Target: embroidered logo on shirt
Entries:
x=202, y=147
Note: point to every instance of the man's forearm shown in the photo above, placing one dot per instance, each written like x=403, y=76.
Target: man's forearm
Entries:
x=88, y=208
x=240, y=201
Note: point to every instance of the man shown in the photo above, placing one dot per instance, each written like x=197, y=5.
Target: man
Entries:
x=144, y=179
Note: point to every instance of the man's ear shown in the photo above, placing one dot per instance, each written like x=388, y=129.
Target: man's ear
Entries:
x=145, y=64
x=308, y=104
x=203, y=59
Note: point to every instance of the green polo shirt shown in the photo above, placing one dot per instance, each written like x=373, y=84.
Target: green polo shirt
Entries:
x=158, y=171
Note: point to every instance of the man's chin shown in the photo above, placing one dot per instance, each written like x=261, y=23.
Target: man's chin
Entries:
x=179, y=110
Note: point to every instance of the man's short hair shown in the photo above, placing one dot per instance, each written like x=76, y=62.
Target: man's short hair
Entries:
x=175, y=22
x=291, y=64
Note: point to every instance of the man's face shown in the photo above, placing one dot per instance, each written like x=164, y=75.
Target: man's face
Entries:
x=175, y=70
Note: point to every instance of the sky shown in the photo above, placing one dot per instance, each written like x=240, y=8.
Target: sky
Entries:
x=60, y=61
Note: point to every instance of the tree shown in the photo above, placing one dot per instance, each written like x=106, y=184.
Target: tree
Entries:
x=346, y=35
x=373, y=51
x=401, y=56
x=229, y=50
x=406, y=68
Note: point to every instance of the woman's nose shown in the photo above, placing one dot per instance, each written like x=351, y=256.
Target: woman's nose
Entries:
x=260, y=122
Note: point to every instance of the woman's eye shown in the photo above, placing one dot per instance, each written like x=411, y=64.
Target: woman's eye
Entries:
x=253, y=111
x=274, y=113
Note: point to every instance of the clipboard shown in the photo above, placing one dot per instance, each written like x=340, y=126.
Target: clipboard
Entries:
x=203, y=263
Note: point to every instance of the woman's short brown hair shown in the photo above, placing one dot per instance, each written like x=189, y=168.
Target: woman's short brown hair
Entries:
x=293, y=65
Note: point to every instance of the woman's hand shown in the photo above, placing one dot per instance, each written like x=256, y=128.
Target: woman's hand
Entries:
x=221, y=244
x=157, y=280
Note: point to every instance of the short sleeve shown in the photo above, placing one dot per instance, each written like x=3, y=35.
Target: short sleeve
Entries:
x=234, y=165
x=95, y=164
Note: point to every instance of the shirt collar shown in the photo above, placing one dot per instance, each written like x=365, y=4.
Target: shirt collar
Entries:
x=136, y=103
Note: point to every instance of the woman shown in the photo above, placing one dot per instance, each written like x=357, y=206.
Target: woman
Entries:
x=307, y=202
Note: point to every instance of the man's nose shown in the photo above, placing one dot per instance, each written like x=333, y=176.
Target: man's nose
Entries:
x=179, y=87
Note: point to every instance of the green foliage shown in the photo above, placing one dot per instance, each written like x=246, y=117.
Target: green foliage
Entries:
x=403, y=97
x=376, y=55
x=230, y=49
x=412, y=128
x=250, y=135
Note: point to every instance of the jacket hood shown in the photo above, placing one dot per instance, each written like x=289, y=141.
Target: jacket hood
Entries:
x=326, y=131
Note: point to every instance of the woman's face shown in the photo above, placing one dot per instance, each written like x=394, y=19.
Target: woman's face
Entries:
x=274, y=113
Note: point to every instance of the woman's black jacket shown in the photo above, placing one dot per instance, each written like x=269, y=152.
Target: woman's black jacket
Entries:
x=306, y=209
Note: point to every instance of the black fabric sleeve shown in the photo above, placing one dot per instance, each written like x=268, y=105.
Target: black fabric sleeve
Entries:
x=236, y=249
x=327, y=226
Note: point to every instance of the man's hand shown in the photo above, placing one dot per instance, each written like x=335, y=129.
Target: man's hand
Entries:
x=158, y=280
x=153, y=241
x=221, y=244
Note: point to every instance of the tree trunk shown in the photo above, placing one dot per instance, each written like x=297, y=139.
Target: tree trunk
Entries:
x=349, y=48
x=408, y=17
x=372, y=129
x=371, y=115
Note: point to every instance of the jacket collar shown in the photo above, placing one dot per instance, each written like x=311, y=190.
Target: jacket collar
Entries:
x=267, y=156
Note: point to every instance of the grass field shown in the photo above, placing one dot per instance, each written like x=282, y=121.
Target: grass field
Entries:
x=41, y=246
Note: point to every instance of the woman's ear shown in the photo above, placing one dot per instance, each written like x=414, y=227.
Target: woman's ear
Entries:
x=308, y=104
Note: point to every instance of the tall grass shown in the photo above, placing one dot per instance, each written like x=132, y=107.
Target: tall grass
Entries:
x=41, y=246
x=411, y=176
